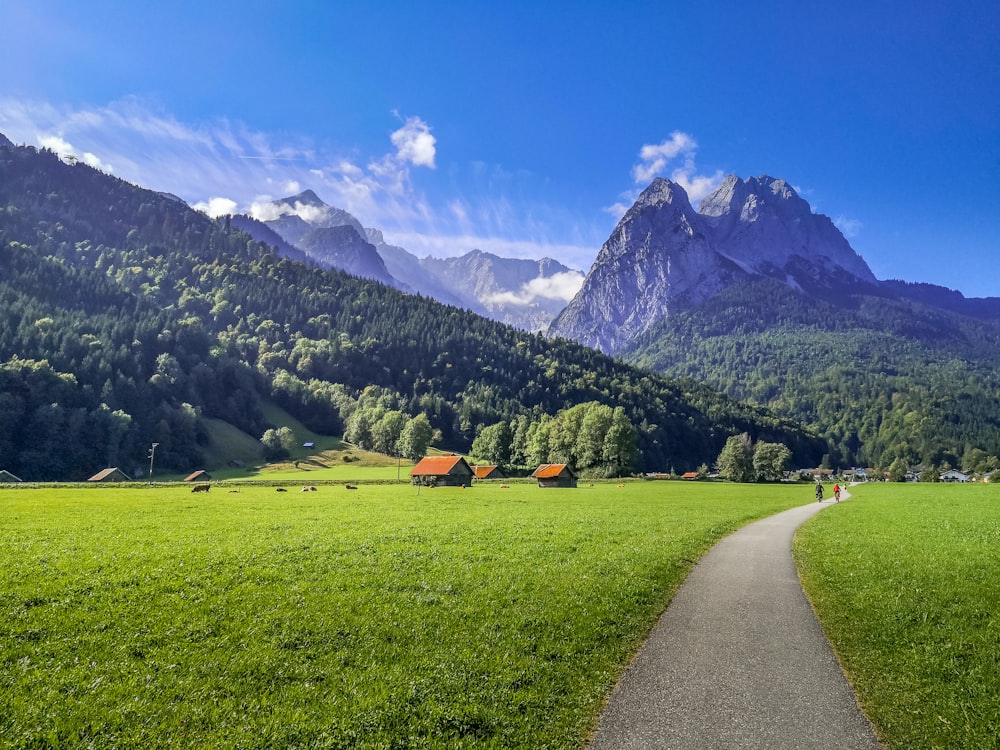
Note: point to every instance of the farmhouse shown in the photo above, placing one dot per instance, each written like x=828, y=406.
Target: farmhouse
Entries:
x=954, y=476
x=441, y=471
x=690, y=475
x=555, y=475
x=7, y=478
x=114, y=474
x=199, y=476
x=488, y=472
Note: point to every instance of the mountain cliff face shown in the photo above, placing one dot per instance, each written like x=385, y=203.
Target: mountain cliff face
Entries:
x=665, y=257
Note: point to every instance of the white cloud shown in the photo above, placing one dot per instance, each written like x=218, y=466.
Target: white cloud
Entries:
x=561, y=286
x=414, y=143
x=65, y=150
x=264, y=209
x=216, y=207
x=654, y=160
x=655, y=157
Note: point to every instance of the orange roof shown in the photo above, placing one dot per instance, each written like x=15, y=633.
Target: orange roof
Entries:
x=483, y=471
x=435, y=465
x=689, y=475
x=550, y=471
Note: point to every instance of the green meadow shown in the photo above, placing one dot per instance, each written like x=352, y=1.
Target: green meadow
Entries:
x=375, y=618
x=906, y=581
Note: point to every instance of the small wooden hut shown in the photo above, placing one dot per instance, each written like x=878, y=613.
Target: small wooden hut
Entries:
x=488, y=472
x=555, y=475
x=441, y=471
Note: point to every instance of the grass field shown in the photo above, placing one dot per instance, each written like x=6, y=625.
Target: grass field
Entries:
x=906, y=581
x=376, y=618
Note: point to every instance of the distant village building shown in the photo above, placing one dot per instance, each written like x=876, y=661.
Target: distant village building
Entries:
x=954, y=476
x=690, y=475
x=488, y=472
x=7, y=478
x=441, y=471
x=114, y=474
x=555, y=475
x=198, y=476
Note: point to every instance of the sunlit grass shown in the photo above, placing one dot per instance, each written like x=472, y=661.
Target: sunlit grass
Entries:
x=906, y=581
x=375, y=618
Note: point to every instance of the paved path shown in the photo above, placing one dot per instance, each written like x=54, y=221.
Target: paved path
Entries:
x=738, y=660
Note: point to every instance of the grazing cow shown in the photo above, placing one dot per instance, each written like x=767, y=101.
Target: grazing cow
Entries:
x=504, y=486
x=201, y=488
x=234, y=492
x=280, y=489
x=349, y=487
x=311, y=488
x=305, y=489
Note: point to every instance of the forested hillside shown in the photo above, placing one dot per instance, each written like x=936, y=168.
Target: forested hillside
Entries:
x=884, y=378
x=126, y=318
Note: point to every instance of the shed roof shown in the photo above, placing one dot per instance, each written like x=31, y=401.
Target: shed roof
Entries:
x=482, y=472
x=105, y=473
x=201, y=473
x=437, y=466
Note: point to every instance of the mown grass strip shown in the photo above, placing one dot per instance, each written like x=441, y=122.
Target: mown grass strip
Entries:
x=376, y=618
x=906, y=582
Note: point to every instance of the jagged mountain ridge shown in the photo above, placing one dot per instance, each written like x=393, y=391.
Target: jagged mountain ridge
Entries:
x=524, y=293
x=665, y=256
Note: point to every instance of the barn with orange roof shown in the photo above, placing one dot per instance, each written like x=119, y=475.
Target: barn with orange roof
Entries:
x=488, y=472
x=555, y=475
x=442, y=471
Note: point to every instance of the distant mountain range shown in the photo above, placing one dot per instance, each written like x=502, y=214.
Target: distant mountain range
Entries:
x=526, y=294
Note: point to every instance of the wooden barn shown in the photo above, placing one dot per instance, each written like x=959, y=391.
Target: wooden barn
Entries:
x=555, y=475
x=441, y=471
x=198, y=476
x=114, y=474
x=7, y=478
x=488, y=472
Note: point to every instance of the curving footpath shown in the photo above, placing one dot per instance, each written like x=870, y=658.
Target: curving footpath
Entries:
x=738, y=660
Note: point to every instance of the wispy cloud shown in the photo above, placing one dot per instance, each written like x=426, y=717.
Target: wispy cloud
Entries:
x=654, y=157
x=223, y=166
x=656, y=160
x=850, y=228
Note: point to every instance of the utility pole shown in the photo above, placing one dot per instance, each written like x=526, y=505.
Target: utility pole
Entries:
x=152, y=450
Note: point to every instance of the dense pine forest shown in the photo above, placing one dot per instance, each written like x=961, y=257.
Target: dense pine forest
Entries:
x=127, y=318
x=885, y=379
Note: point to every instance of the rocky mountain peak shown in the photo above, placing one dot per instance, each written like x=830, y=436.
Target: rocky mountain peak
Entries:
x=305, y=198
x=663, y=256
x=662, y=192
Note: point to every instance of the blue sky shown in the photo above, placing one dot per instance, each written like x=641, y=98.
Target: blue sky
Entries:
x=520, y=127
